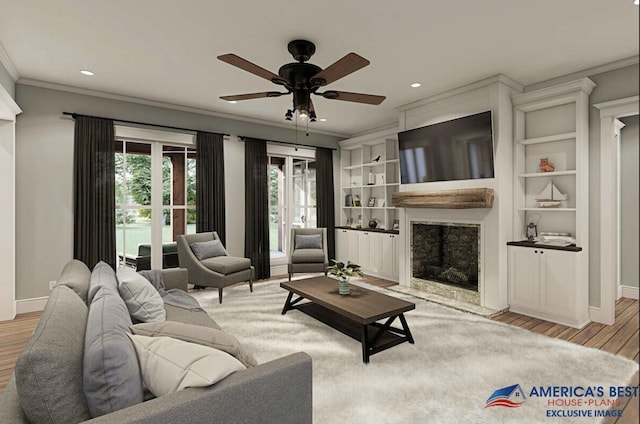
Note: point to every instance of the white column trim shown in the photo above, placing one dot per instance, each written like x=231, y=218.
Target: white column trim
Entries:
x=609, y=112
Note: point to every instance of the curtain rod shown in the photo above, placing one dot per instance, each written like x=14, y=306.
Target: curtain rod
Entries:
x=75, y=115
x=242, y=137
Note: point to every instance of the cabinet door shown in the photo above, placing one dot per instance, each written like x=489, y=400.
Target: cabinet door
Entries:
x=352, y=246
x=558, y=283
x=375, y=252
x=363, y=258
x=389, y=261
x=524, y=277
x=341, y=245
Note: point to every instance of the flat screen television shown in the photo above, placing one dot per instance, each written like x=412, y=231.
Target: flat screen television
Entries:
x=460, y=149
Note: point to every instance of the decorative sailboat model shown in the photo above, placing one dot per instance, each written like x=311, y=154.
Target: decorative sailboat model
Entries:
x=550, y=197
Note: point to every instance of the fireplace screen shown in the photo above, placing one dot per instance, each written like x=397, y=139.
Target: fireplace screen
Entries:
x=446, y=253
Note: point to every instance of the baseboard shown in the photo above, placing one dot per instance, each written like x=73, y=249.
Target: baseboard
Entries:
x=630, y=291
x=24, y=306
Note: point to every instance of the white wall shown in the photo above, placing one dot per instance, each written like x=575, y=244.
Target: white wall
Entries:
x=44, y=173
x=629, y=216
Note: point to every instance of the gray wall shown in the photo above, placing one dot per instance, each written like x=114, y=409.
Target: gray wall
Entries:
x=44, y=173
x=612, y=85
x=7, y=82
x=629, y=215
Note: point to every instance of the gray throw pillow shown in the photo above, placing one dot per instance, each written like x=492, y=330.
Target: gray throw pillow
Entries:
x=49, y=369
x=142, y=299
x=308, y=241
x=208, y=249
x=76, y=276
x=111, y=374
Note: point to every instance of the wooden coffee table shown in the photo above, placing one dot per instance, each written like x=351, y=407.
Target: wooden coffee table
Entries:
x=354, y=314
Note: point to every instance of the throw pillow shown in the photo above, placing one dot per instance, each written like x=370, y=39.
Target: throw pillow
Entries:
x=111, y=374
x=169, y=365
x=309, y=241
x=48, y=372
x=205, y=336
x=76, y=275
x=142, y=299
x=208, y=249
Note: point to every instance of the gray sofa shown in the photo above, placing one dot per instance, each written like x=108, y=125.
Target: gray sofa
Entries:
x=279, y=391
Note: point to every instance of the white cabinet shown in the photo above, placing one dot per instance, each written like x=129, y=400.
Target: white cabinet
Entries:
x=389, y=266
x=546, y=284
x=376, y=252
x=341, y=245
x=551, y=125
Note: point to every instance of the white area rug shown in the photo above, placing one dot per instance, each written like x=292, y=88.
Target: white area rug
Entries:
x=457, y=362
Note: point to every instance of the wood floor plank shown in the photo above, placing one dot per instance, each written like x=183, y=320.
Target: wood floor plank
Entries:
x=631, y=347
x=616, y=342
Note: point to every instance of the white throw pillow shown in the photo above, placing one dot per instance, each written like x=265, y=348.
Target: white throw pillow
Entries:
x=169, y=365
x=142, y=299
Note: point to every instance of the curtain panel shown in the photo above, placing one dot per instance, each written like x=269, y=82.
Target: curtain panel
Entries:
x=256, y=236
x=94, y=235
x=325, y=197
x=210, y=203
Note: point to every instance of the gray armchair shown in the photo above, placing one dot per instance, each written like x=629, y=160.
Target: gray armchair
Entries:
x=306, y=254
x=218, y=271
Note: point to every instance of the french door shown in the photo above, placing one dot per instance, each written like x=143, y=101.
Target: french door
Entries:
x=292, y=196
x=155, y=198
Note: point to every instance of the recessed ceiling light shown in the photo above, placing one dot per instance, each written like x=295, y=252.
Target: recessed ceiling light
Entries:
x=233, y=102
x=636, y=2
x=323, y=119
x=415, y=84
x=87, y=73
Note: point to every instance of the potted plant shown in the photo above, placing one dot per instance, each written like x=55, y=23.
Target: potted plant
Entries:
x=344, y=273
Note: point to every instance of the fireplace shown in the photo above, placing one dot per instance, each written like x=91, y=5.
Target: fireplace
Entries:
x=445, y=259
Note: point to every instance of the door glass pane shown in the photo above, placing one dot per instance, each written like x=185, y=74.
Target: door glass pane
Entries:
x=277, y=206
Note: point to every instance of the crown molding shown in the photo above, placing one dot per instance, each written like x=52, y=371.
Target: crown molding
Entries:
x=165, y=105
x=619, y=108
x=568, y=90
x=6, y=61
x=600, y=69
x=500, y=78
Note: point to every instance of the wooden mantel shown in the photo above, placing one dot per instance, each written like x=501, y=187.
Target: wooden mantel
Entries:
x=468, y=198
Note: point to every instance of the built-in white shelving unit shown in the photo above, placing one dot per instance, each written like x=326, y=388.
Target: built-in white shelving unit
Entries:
x=369, y=175
x=546, y=282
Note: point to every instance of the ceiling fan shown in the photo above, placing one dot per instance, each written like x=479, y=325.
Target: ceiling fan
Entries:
x=303, y=79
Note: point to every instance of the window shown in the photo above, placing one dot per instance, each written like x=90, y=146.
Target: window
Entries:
x=142, y=219
x=292, y=195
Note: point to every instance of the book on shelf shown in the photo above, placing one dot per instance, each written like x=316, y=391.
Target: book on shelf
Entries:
x=348, y=200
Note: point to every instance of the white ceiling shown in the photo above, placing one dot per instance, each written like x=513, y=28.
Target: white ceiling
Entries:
x=166, y=50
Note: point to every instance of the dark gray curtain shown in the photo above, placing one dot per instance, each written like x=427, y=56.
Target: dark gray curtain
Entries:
x=324, y=197
x=256, y=215
x=210, y=207
x=94, y=235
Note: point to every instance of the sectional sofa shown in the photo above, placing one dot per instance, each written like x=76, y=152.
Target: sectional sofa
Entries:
x=48, y=385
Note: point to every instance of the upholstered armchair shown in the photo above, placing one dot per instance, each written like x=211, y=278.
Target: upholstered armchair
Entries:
x=308, y=251
x=208, y=263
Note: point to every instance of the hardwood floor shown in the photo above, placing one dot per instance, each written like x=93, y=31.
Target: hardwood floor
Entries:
x=622, y=338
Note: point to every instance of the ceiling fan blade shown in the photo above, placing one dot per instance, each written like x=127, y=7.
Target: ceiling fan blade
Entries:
x=346, y=96
x=343, y=67
x=250, y=96
x=244, y=64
